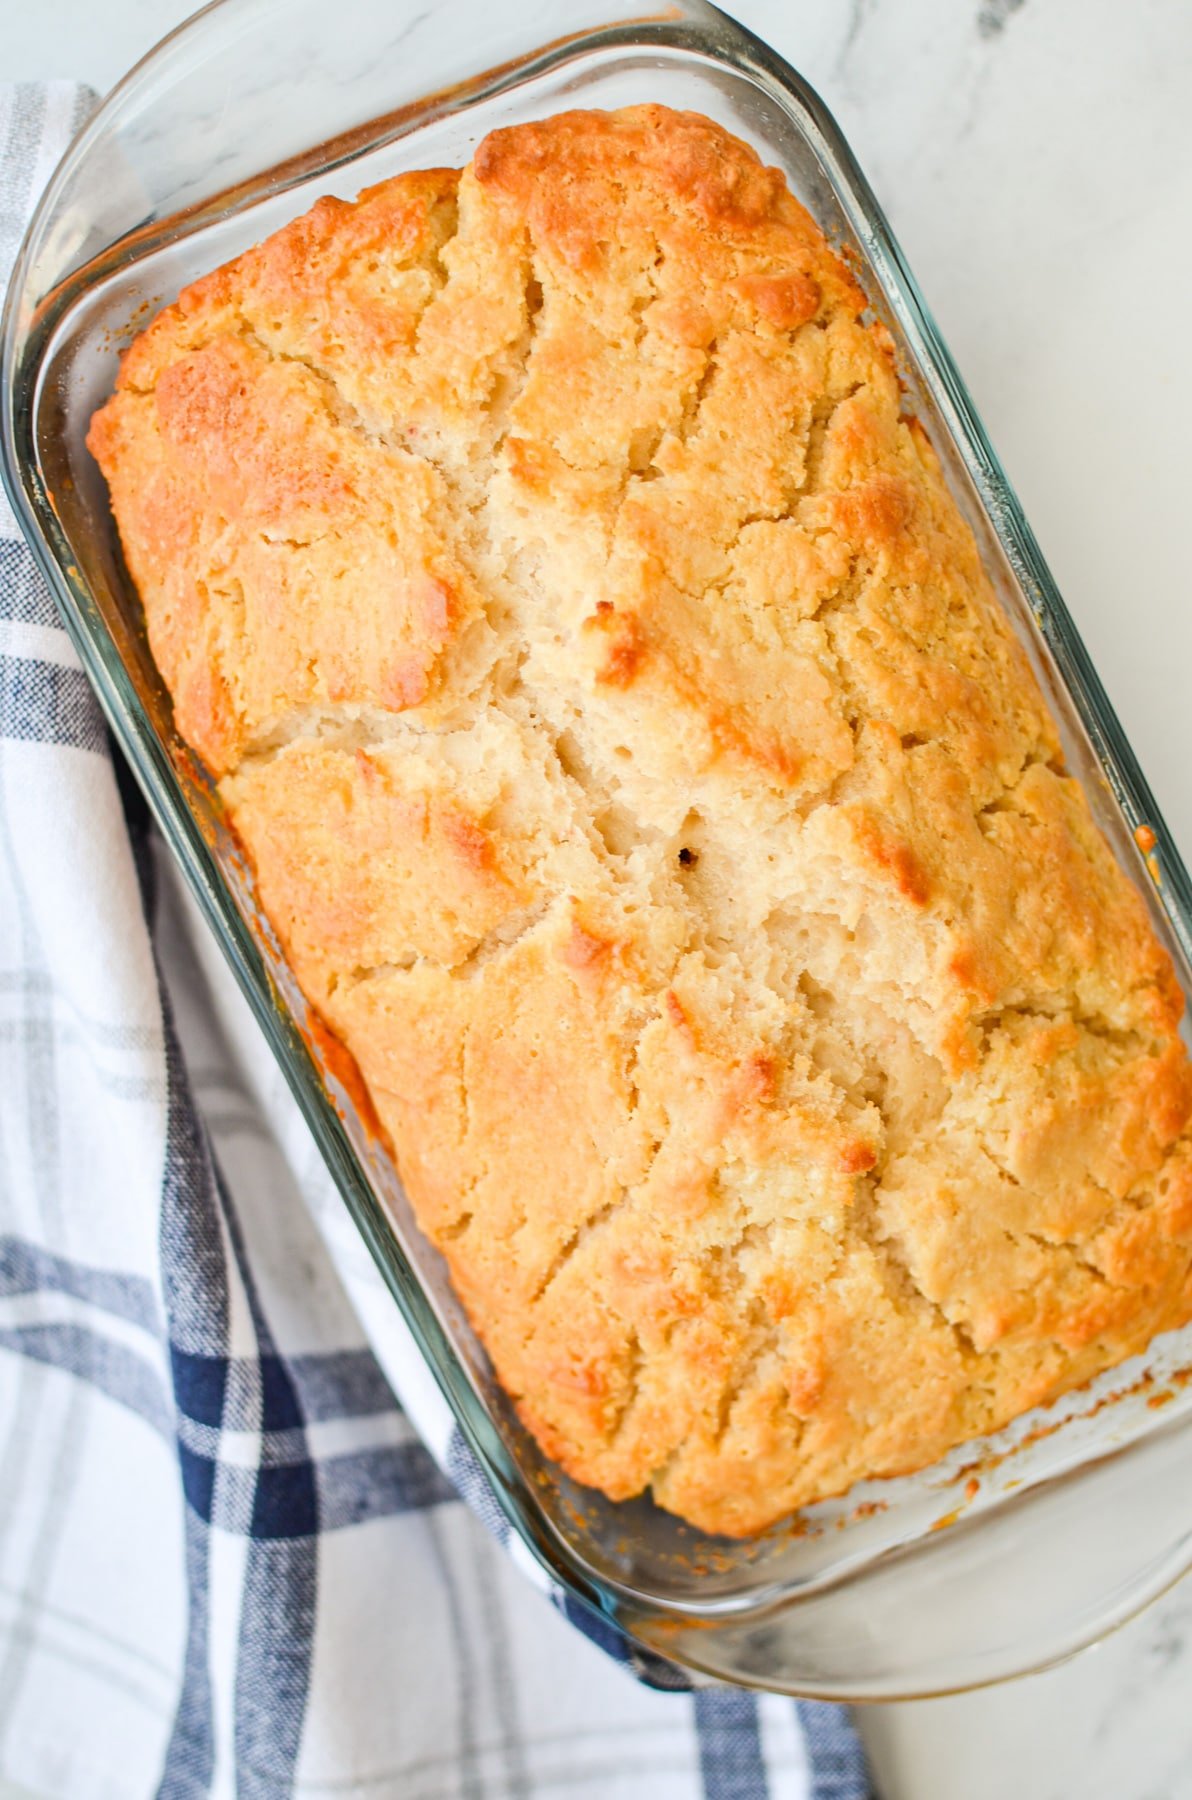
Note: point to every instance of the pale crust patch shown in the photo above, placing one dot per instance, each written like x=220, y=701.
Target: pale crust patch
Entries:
x=649, y=792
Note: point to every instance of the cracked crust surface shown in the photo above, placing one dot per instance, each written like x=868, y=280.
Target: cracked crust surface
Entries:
x=651, y=795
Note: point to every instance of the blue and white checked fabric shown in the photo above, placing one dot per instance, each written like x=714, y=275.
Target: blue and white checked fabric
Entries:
x=232, y=1561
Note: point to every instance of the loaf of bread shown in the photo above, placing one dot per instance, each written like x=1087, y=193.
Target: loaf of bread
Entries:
x=649, y=792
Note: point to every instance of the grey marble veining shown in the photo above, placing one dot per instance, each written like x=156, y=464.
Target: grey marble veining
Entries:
x=1035, y=157
x=1113, y=1724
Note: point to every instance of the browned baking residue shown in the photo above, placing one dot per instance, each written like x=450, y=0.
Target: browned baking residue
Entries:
x=340, y=1065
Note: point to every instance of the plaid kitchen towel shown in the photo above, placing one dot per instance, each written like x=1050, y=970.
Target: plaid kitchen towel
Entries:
x=231, y=1560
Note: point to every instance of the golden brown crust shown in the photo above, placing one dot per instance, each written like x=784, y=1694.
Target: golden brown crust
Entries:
x=651, y=795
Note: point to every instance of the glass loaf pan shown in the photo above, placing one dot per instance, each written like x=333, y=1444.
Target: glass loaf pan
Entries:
x=1014, y=1551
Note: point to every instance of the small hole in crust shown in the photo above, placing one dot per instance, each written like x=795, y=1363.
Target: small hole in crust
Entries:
x=688, y=858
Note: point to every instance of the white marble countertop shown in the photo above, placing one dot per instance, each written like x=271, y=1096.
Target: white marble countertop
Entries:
x=1035, y=158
